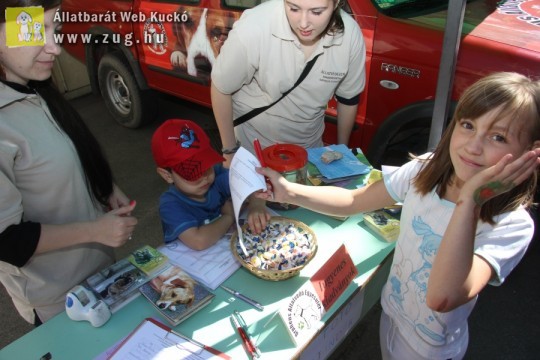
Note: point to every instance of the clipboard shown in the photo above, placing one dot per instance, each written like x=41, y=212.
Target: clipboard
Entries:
x=152, y=339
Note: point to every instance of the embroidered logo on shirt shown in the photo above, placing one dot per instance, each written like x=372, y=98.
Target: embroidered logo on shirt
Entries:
x=331, y=76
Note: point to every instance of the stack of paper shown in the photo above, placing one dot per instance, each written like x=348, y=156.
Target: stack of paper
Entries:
x=210, y=267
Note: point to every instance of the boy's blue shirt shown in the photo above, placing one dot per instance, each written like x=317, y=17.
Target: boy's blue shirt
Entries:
x=179, y=213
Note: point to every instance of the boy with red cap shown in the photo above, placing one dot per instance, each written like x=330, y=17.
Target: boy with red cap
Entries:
x=197, y=207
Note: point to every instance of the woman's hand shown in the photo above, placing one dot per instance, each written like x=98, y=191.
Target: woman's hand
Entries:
x=115, y=227
x=118, y=198
x=502, y=177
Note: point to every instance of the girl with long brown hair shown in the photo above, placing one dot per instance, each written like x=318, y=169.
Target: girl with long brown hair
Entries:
x=465, y=220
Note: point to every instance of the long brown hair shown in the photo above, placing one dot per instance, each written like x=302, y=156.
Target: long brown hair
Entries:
x=336, y=26
x=518, y=97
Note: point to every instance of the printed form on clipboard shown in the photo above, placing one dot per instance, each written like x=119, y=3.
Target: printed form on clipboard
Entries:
x=153, y=340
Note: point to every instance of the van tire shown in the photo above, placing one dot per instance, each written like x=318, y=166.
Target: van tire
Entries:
x=404, y=132
x=130, y=106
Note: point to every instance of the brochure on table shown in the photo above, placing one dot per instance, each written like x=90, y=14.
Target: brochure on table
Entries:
x=347, y=166
x=148, y=260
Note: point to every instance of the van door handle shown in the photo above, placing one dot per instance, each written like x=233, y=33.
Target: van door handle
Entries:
x=390, y=85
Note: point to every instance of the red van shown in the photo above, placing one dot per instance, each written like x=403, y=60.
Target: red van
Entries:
x=138, y=47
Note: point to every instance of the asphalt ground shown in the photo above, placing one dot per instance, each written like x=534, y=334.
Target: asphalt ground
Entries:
x=504, y=325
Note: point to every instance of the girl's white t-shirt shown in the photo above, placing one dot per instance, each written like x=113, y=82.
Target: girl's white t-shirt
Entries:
x=424, y=220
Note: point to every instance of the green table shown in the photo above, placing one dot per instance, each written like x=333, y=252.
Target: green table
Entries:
x=67, y=339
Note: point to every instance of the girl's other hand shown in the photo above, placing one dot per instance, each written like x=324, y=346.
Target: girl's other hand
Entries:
x=277, y=191
x=503, y=176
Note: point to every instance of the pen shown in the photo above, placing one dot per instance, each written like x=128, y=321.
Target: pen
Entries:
x=258, y=151
x=244, y=326
x=248, y=346
x=188, y=339
x=243, y=297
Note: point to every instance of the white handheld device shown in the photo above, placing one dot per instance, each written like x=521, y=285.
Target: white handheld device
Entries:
x=81, y=304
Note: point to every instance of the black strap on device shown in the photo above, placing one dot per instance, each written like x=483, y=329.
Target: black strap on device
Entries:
x=242, y=119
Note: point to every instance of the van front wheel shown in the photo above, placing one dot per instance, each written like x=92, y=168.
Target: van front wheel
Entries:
x=130, y=106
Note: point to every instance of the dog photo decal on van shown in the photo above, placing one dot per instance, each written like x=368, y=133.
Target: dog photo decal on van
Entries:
x=199, y=38
x=24, y=26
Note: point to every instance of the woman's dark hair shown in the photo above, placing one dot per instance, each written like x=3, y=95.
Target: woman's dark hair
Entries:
x=96, y=168
x=97, y=171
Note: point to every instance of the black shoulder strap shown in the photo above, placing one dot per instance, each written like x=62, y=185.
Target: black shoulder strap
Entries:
x=242, y=119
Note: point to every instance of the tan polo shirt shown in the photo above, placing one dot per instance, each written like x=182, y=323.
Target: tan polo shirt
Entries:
x=42, y=181
x=262, y=58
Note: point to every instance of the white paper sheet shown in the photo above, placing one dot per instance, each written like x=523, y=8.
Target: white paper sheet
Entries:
x=210, y=267
x=244, y=181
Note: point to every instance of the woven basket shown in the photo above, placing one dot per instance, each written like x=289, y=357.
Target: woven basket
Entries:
x=276, y=275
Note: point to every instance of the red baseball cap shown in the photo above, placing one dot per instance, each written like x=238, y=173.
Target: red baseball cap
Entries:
x=184, y=147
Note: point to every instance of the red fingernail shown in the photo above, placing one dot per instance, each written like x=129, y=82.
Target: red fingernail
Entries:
x=132, y=202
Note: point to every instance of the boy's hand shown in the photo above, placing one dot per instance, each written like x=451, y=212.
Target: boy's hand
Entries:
x=257, y=217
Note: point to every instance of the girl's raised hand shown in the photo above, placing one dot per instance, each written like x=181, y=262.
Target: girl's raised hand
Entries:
x=503, y=176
